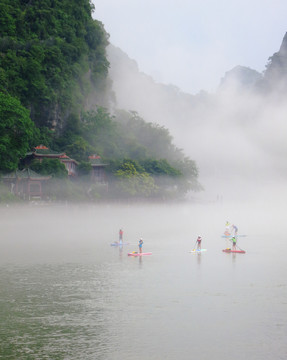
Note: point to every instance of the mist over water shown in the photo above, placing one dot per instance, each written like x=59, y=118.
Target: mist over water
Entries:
x=67, y=294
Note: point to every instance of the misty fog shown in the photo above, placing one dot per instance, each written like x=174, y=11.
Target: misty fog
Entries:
x=236, y=136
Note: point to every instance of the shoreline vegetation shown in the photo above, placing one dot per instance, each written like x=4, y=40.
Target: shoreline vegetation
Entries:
x=7, y=199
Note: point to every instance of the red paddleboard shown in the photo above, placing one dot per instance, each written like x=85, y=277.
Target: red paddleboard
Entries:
x=139, y=254
x=234, y=251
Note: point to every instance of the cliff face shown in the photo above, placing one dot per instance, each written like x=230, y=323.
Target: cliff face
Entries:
x=52, y=58
x=283, y=47
x=275, y=77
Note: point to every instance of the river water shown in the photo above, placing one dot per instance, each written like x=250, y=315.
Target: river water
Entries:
x=67, y=294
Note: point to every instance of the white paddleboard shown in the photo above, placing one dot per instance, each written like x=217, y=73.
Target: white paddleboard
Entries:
x=197, y=251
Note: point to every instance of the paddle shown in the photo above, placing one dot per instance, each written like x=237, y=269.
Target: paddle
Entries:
x=194, y=245
x=236, y=245
x=239, y=248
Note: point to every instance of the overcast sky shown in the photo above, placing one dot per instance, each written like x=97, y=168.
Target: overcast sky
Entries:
x=191, y=44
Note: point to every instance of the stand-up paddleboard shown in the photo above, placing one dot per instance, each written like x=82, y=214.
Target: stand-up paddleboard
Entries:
x=197, y=251
x=118, y=244
x=230, y=236
x=233, y=251
x=139, y=254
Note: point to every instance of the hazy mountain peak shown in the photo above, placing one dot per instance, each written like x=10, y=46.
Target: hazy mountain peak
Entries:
x=240, y=76
x=283, y=47
x=276, y=69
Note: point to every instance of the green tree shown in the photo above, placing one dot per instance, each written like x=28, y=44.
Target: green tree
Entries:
x=52, y=167
x=160, y=167
x=17, y=132
x=79, y=148
x=133, y=183
x=189, y=180
x=101, y=131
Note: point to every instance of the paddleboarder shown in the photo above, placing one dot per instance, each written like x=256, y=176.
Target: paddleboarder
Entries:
x=233, y=239
x=141, y=245
x=199, y=242
x=235, y=229
x=121, y=233
x=227, y=228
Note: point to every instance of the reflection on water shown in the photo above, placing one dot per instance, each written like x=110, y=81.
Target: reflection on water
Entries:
x=67, y=294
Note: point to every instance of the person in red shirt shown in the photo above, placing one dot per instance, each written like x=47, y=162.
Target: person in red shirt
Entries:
x=121, y=234
x=199, y=242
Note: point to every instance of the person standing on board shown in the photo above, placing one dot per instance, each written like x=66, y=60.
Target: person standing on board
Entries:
x=199, y=242
x=227, y=229
x=235, y=229
x=233, y=243
x=121, y=233
x=141, y=245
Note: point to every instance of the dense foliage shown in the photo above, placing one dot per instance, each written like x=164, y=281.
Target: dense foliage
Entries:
x=17, y=132
x=52, y=56
x=50, y=167
x=53, y=74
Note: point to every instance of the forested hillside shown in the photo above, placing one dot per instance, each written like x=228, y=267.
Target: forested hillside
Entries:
x=55, y=90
